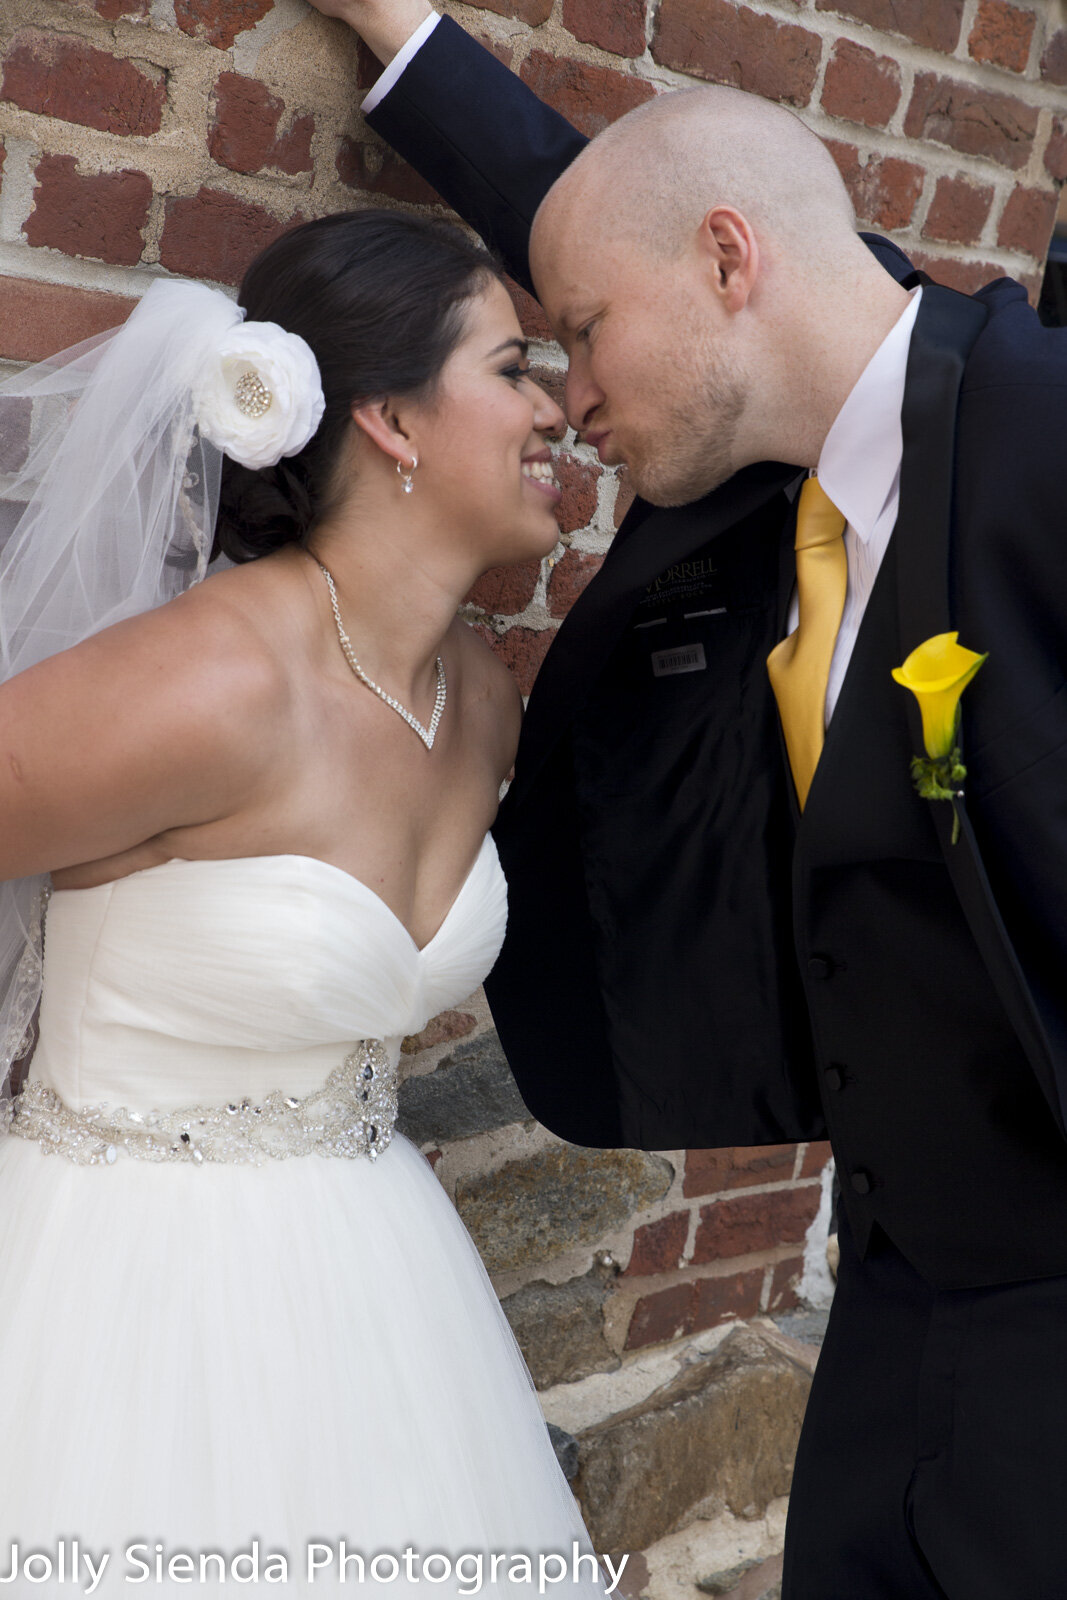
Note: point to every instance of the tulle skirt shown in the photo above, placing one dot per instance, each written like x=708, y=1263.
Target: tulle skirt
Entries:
x=301, y=1366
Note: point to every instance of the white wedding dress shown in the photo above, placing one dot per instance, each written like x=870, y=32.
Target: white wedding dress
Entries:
x=197, y=1353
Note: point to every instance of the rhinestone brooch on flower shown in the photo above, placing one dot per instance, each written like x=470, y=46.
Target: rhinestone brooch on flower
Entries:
x=251, y=395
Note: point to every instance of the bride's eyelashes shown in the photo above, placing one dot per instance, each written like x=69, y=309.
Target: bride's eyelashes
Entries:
x=515, y=372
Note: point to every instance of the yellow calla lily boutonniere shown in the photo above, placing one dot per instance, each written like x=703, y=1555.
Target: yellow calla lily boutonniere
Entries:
x=937, y=672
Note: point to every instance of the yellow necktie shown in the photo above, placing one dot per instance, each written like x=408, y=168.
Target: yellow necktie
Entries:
x=799, y=667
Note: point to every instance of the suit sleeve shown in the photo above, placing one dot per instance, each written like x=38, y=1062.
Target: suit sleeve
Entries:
x=485, y=141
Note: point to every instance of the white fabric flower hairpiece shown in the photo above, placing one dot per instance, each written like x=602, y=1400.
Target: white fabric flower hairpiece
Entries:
x=259, y=395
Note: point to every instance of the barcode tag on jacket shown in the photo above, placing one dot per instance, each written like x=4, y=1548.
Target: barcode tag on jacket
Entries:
x=686, y=658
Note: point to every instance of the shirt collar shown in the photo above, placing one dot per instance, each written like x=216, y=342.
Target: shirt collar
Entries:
x=860, y=461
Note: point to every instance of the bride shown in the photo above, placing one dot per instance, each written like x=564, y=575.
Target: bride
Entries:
x=240, y=1323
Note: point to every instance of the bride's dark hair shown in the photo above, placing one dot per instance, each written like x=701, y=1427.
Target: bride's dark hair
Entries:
x=380, y=296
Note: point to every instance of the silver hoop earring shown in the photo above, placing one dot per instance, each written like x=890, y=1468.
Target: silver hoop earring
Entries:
x=407, y=473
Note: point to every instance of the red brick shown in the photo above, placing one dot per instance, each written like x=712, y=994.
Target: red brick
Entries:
x=588, y=96
x=244, y=134
x=569, y=578
x=3, y=153
x=966, y=276
x=735, y=45
x=816, y=1156
x=1027, y=220
x=506, y=591
x=219, y=21
x=1056, y=150
x=57, y=76
x=443, y=1028
x=662, y=1316
x=741, y=1225
x=1032, y=282
x=762, y=1163
x=214, y=235
x=784, y=1281
x=521, y=649
x=615, y=25
x=711, y=1171
x=724, y=1299
x=658, y=1246
x=433, y=1157
x=373, y=169
x=37, y=319
x=1054, y=60
x=884, y=189
x=624, y=496
x=112, y=10
x=535, y=324
x=958, y=210
x=366, y=69
x=976, y=121
x=708, y=1171
x=550, y=379
x=533, y=12
x=861, y=86
x=97, y=214
x=578, y=480
x=1001, y=35
x=934, y=23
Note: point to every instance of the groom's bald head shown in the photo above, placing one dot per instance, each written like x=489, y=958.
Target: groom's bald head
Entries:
x=653, y=175
x=677, y=258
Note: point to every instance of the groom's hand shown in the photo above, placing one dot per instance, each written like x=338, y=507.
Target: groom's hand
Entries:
x=385, y=25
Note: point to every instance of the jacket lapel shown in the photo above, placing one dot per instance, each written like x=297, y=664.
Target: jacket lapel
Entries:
x=945, y=330
x=649, y=541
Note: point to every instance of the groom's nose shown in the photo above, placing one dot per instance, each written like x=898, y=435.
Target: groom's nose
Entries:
x=582, y=398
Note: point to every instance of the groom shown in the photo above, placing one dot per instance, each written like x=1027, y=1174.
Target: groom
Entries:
x=769, y=933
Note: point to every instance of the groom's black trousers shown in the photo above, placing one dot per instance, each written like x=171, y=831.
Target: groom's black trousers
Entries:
x=933, y=1459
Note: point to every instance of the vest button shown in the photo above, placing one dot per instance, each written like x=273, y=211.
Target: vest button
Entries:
x=820, y=966
x=861, y=1182
x=835, y=1078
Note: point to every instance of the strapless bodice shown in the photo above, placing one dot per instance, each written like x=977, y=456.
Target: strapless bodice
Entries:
x=198, y=981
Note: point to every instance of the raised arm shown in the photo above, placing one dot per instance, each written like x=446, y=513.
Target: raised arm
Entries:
x=385, y=26
x=472, y=129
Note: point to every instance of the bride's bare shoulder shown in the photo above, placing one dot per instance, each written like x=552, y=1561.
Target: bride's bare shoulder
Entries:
x=234, y=636
x=169, y=719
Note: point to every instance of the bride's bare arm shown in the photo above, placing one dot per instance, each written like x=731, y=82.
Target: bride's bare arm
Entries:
x=164, y=721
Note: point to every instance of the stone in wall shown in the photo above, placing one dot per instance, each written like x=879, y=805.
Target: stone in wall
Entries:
x=560, y=1327
x=472, y=1091
x=565, y=1446
x=723, y=1433
x=535, y=1209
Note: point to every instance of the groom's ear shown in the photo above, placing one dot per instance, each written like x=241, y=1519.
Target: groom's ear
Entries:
x=379, y=421
x=730, y=253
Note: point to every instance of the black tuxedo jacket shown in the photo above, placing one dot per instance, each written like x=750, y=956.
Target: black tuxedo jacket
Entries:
x=651, y=987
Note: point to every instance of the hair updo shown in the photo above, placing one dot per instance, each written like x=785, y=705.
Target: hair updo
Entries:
x=380, y=296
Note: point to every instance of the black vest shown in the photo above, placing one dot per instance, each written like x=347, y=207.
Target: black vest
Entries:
x=940, y=1130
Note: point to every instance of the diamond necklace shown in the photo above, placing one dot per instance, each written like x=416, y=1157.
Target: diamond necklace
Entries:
x=425, y=734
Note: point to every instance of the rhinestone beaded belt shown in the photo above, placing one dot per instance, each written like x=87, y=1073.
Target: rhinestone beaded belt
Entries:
x=353, y=1114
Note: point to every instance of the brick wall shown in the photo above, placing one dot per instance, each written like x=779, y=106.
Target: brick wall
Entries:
x=599, y=1253
x=179, y=136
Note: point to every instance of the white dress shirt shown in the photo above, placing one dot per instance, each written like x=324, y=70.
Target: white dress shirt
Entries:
x=382, y=85
x=860, y=470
